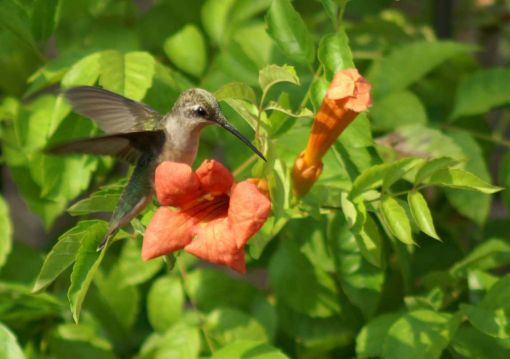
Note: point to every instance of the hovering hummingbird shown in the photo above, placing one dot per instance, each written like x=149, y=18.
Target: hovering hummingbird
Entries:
x=144, y=137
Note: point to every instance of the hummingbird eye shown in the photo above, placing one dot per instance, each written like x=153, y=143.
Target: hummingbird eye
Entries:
x=201, y=112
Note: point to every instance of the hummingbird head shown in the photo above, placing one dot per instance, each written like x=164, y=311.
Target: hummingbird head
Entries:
x=200, y=108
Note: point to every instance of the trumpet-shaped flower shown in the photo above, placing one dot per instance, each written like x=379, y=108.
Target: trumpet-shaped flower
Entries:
x=213, y=217
x=348, y=95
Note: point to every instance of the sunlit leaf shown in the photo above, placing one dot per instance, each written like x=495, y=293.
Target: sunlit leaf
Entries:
x=9, y=346
x=85, y=266
x=127, y=74
x=236, y=90
x=5, y=232
x=457, y=178
x=421, y=213
x=431, y=167
x=248, y=348
x=335, y=53
x=273, y=74
x=227, y=325
x=287, y=28
x=186, y=49
x=370, y=340
x=64, y=252
x=165, y=303
x=397, y=220
x=492, y=314
x=490, y=254
x=435, y=330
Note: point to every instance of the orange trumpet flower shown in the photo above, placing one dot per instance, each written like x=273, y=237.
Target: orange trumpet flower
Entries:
x=213, y=217
x=347, y=96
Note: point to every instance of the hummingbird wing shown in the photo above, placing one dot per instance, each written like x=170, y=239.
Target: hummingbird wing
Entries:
x=113, y=113
x=127, y=146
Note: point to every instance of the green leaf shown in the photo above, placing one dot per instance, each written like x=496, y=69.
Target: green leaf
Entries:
x=335, y=53
x=358, y=134
x=186, y=49
x=45, y=18
x=492, y=314
x=165, y=303
x=409, y=63
x=370, y=178
x=320, y=334
x=215, y=18
x=64, y=252
x=273, y=74
x=81, y=340
x=227, y=325
x=5, y=232
x=207, y=289
x=236, y=90
x=127, y=74
x=504, y=175
x=473, y=205
x=421, y=141
x=182, y=340
x=370, y=242
x=396, y=219
x=361, y=281
x=421, y=213
x=133, y=269
x=490, y=254
x=14, y=19
x=471, y=343
x=432, y=166
x=248, y=349
x=83, y=72
x=331, y=9
x=398, y=169
x=301, y=113
x=300, y=285
x=481, y=91
x=397, y=109
x=122, y=303
x=457, y=178
x=420, y=334
x=287, y=28
x=370, y=340
x=9, y=347
x=86, y=264
x=103, y=200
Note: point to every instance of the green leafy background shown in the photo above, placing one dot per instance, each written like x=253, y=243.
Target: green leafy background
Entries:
x=401, y=249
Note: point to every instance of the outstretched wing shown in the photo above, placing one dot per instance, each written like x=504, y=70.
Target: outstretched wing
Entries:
x=128, y=146
x=113, y=113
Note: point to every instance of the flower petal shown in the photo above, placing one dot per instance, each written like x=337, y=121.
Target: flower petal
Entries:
x=176, y=184
x=168, y=231
x=214, y=177
x=349, y=84
x=248, y=211
x=214, y=243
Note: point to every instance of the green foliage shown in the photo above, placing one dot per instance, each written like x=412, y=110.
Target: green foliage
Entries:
x=400, y=249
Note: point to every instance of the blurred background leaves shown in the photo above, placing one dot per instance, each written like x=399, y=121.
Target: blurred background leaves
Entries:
x=336, y=275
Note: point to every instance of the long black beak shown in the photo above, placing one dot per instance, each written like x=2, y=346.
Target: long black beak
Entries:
x=222, y=121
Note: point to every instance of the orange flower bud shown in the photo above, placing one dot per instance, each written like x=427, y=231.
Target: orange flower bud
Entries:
x=347, y=95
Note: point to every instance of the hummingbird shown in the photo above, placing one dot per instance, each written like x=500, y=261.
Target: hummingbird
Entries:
x=144, y=137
